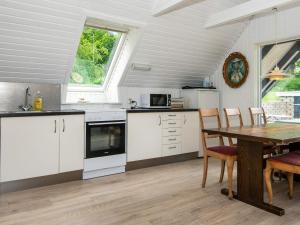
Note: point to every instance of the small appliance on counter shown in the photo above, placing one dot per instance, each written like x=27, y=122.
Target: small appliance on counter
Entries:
x=105, y=143
x=156, y=100
x=177, y=103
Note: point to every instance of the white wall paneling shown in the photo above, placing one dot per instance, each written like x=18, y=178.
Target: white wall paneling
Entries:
x=245, y=10
x=39, y=39
x=259, y=32
x=167, y=6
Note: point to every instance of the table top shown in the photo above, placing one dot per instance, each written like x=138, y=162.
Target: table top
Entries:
x=281, y=133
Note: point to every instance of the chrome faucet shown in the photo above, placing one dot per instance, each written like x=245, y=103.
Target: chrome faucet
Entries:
x=26, y=106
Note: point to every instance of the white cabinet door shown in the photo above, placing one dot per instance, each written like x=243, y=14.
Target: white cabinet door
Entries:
x=144, y=136
x=190, y=132
x=29, y=147
x=71, y=143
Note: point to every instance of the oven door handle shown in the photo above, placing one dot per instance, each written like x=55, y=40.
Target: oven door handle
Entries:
x=109, y=123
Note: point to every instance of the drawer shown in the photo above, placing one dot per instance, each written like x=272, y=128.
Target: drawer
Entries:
x=173, y=149
x=172, y=123
x=171, y=140
x=172, y=116
x=171, y=132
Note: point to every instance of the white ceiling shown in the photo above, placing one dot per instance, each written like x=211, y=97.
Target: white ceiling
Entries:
x=39, y=38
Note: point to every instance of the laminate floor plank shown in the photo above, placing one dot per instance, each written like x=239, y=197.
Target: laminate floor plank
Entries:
x=163, y=195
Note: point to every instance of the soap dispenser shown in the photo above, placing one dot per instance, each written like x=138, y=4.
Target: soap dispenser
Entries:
x=38, y=102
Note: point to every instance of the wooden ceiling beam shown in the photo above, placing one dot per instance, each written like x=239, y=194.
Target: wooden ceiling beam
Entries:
x=168, y=6
x=244, y=11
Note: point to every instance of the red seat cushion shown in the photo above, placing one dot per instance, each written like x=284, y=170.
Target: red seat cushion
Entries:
x=291, y=158
x=225, y=150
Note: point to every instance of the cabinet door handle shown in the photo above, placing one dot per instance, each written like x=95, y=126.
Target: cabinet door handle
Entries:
x=64, y=125
x=172, y=131
x=184, y=119
x=55, y=126
x=159, y=120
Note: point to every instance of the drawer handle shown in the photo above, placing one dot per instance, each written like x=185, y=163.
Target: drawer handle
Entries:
x=172, y=139
x=55, y=126
x=172, y=131
x=172, y=115
x=172, y=147
x=172, y=123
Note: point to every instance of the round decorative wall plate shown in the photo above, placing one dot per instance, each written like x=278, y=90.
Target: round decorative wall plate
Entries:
x=235, y=70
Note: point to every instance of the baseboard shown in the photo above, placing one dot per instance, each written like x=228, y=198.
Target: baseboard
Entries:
x=19, y=185
x=160, y=161
x=103, y=172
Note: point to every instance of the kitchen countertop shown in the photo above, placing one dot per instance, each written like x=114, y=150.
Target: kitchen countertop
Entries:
x=143, y=110
x=41, y=113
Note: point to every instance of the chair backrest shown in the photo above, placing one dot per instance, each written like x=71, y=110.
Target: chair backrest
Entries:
x=255, y=112
x=231, y=113
x=209, y=113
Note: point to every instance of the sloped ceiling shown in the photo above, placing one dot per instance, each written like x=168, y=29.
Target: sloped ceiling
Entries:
x=39, y=38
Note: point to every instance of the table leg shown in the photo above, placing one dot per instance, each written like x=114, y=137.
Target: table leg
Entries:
x=250, y=181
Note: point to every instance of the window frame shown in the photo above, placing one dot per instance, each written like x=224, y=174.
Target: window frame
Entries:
x=118, y=52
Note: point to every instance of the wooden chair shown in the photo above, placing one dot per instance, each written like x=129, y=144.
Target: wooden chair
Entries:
x=230, y=113
x=270, y=148
x=255, y=113
x=289, y=163
x=226, y=154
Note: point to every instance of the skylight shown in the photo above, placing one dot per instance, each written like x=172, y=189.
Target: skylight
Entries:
x=97, y=51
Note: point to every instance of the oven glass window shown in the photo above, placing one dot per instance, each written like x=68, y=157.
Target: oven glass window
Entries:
x=106, y=140
x=158, y=100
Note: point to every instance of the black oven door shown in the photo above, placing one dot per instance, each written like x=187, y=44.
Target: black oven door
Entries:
x=105, y=138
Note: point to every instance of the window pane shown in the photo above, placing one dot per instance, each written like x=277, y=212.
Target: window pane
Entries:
x=281, y=99
x=94, y=55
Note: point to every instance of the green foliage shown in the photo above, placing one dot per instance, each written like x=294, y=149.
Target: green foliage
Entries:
x=289, y=84
x=96, y=48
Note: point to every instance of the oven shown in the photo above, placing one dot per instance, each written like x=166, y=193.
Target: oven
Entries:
x=105, y=138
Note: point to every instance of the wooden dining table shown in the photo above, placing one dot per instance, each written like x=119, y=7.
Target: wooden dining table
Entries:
x=250, y=163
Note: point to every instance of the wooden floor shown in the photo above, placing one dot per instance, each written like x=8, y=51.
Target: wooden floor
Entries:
x=163, y=195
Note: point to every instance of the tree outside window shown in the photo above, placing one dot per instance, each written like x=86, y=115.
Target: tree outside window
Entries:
x=94, y=56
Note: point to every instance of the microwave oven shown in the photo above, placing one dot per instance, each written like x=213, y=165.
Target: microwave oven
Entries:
x=156, y=100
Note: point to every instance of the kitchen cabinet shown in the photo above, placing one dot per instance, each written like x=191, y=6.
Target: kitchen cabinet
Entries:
x=71, y=143
x=41, y=145
x=191, y=133
x=29, y=147
x=144, y=137
x=153, y=135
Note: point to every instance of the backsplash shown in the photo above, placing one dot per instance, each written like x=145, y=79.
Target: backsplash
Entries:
x=13, y=94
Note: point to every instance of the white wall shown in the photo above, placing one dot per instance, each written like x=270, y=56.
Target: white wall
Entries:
x=135, y=92
x=260, y=31
x=124, y=94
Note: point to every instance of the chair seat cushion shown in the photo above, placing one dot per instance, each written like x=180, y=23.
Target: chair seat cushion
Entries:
x=225, y=150
x=291, y=158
